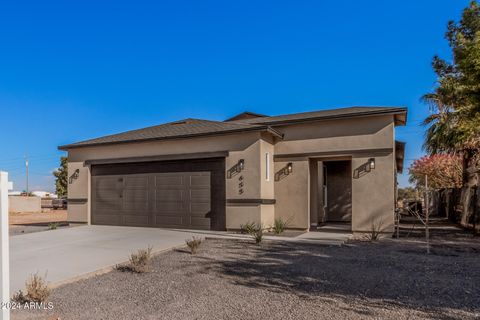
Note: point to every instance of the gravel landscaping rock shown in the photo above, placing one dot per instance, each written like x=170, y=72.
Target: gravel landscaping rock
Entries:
x=232, y=279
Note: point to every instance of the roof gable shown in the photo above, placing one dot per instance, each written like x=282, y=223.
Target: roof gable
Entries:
x=245, y=115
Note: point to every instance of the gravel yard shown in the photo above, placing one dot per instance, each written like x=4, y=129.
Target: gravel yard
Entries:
x=232, y=279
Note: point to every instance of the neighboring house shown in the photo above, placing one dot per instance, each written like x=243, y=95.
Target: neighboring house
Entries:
x=44, y=194
x=307, y=168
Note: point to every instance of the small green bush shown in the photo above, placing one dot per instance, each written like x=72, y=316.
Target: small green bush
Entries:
x=194, y=244
x=248, y=228
x=53, y=225
x=258, y=234
x=279, y=226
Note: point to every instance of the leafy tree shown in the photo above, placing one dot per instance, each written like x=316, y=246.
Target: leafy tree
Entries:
x=61, y=177
x=406, y=193
x=455, y=102
x=443, y=171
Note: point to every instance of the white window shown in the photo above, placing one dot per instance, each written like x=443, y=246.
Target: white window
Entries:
x=267, y=166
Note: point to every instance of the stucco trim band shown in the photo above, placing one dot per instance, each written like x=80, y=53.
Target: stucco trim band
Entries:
x=77, y=200
x=255, y=202
x=305, y=156
x=167, y=157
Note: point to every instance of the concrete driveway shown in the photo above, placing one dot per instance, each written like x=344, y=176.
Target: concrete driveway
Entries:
x=71, y=253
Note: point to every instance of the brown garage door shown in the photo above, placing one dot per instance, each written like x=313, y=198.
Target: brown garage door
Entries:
x=156, y=199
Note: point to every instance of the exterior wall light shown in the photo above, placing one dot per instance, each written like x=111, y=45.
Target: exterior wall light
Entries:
x=236, y=169
x=283, y=172
x=371, y=163
x=74, y=176
x=289, y=168
x=241, y=165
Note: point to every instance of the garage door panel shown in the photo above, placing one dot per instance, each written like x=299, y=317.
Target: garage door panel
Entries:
x=200, y=208
x=143, y=197
x=134, y=206
x=200, y=181
x=107, y=203
x=200, y=223
x=167, y=208
x=108, y=219
x=202, y=195
x=165, y=221
x=108, y=183
x=169, y=195
x=136, y=182
x=169, y=180
x=136, y=220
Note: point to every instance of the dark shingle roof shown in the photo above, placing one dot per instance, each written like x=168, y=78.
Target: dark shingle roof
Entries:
x=195, y=127
x=323, y=114
x=178, y=129
x=245, y=115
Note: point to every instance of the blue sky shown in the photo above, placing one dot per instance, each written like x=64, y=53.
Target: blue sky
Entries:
x=76, y=70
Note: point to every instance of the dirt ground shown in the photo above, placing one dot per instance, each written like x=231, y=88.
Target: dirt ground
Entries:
x=233, y=279
x=38, y=217
x=21, y=223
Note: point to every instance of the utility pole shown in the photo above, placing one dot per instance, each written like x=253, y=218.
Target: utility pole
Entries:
x=427, y=234
x=26, y=170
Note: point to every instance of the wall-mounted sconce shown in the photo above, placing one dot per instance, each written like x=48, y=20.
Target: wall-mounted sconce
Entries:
x=241, y=165
x=289, y=168
x=364, y=168
x=285, y=171
x=371, y=163
x=237, y=168
x=74, y=176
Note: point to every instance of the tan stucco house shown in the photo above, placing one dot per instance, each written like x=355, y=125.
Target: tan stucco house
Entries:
x=307, y=168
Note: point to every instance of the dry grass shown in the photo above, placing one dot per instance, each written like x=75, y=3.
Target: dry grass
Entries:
x=36, y=290
x=139, y=262
x=194, y=244
x=375, y=231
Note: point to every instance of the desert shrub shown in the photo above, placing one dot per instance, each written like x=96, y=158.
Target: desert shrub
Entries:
x=375, y=231
x=279, y=226
x=248, y=227
x=194, y=244
x=53, y=225
x=258, y=234
x=256, y=231
x=36, y=290
x=139, y=262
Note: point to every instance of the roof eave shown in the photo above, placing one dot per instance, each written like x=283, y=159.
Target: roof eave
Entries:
x=400, y=112
x=257, y=128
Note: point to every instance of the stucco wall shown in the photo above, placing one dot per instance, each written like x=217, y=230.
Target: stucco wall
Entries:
x=251, y=184
x=292, y=195
x=24, y=204
x=245, y=146
x=338, y=135
x=357, y=139
x=373, y=195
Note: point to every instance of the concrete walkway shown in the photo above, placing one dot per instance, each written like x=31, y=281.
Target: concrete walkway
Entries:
x=72, y=253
